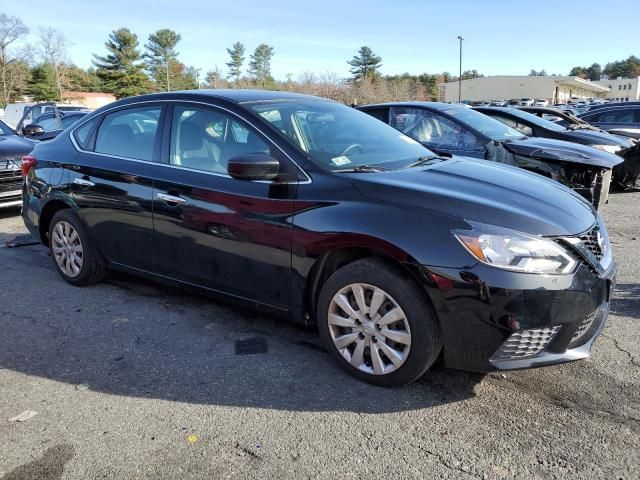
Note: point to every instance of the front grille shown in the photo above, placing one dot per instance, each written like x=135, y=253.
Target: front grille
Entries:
x=10, y=177
x=525, y=343
x=590, y=240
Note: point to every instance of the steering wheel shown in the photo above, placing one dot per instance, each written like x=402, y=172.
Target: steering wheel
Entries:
x=353, y=146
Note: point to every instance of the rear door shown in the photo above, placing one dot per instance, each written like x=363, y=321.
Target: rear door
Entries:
x=229, y=235
x=111, y=181
x=435, y=131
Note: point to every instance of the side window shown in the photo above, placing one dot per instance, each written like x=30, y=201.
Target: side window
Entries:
x=205, y=139
x=521, y=127
x=431, y=129
x=381, y=114
x=83, y=133
x=129, y=133
x=616, y=116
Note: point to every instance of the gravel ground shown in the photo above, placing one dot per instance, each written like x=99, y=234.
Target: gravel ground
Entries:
x=131, y=379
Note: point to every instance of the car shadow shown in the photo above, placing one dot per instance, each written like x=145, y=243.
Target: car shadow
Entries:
x=626, y=300
x=137, y=338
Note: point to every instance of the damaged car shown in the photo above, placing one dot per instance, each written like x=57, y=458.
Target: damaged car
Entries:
x=12, y=148
x=458, y=130
x=625, y=175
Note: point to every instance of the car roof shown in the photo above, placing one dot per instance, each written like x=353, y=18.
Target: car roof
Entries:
x=427, y=105
x=230, y=95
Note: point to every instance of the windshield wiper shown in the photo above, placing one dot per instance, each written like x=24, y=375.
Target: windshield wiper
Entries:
x=360, y=169
x=426, y=160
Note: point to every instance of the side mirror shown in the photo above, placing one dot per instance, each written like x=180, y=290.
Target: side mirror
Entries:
x=253, y=166
x=32, y=130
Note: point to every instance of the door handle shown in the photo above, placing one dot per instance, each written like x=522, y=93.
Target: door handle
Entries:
x=171, y=199
x=83, y=182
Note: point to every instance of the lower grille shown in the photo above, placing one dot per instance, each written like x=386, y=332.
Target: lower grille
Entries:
x=589, y=326
x=526, y=343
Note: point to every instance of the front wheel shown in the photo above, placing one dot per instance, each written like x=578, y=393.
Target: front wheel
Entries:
x=378, y=324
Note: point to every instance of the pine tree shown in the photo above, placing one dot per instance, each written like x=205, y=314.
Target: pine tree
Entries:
x=260, y=65
x=122, y=69
x=365, y=64
x=42, y=85
x=236, y=52
x=162, y=55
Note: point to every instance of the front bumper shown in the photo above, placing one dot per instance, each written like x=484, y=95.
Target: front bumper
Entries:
x=10, y=198
x=493, y=319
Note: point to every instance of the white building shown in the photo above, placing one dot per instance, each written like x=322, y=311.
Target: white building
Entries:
x=506, y=87
x=622, y=89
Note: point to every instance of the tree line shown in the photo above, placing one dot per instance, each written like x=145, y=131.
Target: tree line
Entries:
x=627, y=68
x=126, y=67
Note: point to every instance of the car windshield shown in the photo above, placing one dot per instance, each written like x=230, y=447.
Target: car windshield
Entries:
x=5, y=130
x=540, y=122
x=337, y=137
x=486, y=125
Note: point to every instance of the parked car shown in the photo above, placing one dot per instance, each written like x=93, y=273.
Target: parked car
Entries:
x=625, y=175
x=48, y=125
x=526, y=102
x=498, y=103
x=570, y=121
x=449, y=129
x=313, y=210
x=624, y=120
x=12, y=149
x=26, y=111
x=540, y=102
x=514, y=102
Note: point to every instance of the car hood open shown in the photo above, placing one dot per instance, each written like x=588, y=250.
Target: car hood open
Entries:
x=485, y=192
x=561, y=151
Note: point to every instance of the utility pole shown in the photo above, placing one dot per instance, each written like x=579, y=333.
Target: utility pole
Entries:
x=461, y=38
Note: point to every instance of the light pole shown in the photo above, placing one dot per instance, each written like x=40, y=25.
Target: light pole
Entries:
x=461, y=38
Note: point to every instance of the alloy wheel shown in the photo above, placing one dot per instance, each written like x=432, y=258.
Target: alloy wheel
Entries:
x=67, y=249
x=369, y=328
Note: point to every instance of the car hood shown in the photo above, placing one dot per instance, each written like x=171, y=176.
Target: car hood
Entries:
x=561, y=151
x=14, y=146
x=597, y=137
x=483, y=191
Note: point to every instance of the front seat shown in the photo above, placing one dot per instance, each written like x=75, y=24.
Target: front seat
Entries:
x=192, y=151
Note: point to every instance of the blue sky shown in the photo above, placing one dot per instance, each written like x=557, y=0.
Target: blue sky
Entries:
x=502, y=37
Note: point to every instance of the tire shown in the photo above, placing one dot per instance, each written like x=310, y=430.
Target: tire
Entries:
x=84, y=265
x=415, y=317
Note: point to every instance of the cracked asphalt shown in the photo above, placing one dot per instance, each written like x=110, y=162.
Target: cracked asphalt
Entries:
x=131, y=379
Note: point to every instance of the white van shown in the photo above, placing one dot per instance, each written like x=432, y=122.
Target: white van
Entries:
x=13, y=112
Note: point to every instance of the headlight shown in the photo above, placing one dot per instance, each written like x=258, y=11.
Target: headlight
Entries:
x=510, y=250
x=608, y=148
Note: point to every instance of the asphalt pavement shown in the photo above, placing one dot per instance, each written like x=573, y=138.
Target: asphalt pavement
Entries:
x=131, y=379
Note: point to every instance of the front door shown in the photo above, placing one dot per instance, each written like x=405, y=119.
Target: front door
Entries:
x=228, y=235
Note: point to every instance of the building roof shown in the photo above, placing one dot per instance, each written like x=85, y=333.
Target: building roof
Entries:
x=86, y=94
x=564, y=80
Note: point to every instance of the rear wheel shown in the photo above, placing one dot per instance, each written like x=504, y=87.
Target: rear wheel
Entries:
x=75, y=258
x=378, y=324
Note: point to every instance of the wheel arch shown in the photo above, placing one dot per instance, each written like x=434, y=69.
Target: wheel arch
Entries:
x=335, y=258
x=50, y=208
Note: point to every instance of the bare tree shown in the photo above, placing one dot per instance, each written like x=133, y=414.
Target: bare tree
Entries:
x=53, y=51
x=13, y=66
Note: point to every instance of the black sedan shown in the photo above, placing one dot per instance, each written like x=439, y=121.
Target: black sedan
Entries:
x=313, y=210
x=625, y=175
x=12, y=148
x=460, y=130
